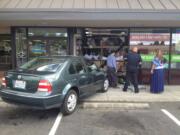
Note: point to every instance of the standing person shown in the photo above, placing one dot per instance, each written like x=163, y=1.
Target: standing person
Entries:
x=133, y=61
x=157, y=73
x=111, y=69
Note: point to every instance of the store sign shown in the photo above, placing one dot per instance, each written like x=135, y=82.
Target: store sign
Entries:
x=149, y=58
x=175, y=58
x=150, y=37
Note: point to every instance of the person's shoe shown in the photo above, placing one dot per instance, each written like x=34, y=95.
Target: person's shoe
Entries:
x=136, y=92
x=124, y=90
x=114, y=86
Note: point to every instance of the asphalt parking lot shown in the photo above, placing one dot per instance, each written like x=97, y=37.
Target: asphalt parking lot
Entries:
x=152, y=121
x=18, y=121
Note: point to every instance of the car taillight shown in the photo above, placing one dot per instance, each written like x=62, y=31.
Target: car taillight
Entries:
x=44, y=86
x=4, y=81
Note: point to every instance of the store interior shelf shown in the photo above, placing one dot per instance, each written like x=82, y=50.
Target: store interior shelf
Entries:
x=101, y=47
x=105, y=60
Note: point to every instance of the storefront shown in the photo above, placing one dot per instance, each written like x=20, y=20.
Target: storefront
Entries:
x=99, y=41
x=91, y=28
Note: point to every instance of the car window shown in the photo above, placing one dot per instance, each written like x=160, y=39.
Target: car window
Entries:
x=91, y=66
x=79, y=68
x=71, y=69
x=43, y=64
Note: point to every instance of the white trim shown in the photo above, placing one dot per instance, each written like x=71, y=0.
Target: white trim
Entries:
x=56, y=124
x=172, y=117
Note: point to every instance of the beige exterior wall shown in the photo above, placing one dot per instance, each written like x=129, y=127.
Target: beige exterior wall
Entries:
x=5, y=30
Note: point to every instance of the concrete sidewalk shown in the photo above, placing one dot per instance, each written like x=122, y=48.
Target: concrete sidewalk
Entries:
x=115, y=98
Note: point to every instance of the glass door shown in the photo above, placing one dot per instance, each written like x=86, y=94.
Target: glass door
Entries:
x=31, y=42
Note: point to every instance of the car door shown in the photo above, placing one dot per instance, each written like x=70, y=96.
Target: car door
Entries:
x=71, y=75
x=84, y=79
x=98, y=76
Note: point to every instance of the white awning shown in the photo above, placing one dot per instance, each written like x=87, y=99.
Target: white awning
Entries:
x=90, y=13
x=95, y=4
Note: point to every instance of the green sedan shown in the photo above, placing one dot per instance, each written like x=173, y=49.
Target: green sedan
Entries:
x=52, y=82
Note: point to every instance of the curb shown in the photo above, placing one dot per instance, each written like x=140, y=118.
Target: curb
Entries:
x=132, y=101
x=3, y=104
x=98, y=105
x=101, y=105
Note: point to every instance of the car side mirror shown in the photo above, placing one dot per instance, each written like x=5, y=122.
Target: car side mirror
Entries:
x=98, y=69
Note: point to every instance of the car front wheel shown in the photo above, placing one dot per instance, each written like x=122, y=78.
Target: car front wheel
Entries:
x=70, y=102
x=105, y=85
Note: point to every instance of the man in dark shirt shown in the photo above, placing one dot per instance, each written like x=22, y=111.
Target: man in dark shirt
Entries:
x=133, y=61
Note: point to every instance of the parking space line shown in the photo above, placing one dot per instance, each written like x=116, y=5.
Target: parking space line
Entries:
x=172, y=117
x=56, y=124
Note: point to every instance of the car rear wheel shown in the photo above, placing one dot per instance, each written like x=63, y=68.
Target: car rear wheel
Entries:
x=105, y=85
x=70, y=103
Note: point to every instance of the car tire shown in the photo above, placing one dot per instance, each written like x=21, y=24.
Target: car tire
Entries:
x=105, y=86
x=70, y=102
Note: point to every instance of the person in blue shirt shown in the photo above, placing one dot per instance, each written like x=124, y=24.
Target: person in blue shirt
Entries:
x=133, y=60
x=112, y=69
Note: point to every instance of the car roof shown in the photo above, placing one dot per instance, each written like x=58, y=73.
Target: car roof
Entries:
x=62, y=56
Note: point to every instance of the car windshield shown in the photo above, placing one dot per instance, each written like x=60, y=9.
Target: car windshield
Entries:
x=44, y=64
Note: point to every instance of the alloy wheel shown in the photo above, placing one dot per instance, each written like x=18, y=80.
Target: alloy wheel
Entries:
x=71, y=102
